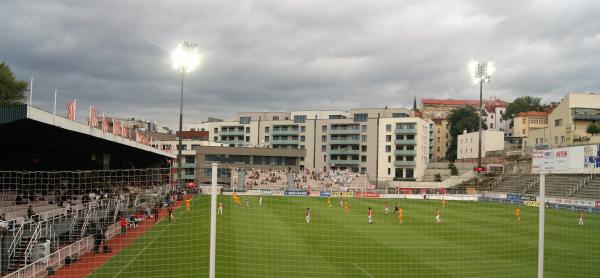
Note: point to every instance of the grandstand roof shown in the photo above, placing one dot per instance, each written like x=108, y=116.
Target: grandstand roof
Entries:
x=29, y=133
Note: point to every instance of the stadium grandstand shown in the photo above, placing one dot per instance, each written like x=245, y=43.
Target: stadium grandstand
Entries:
x=64, y=184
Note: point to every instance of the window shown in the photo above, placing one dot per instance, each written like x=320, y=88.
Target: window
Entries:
x=562, y=139
x=216, y=138
x=389, y=171
x=491, y=125
x=410, y=173
x=302, y=138
x=363, y=148
x=363, y=138
x=363, y=158
x=522, y=131
x=438, y=149
x=388, y=138
x=183, y=147
x=267, y=139
x=298, y=119
x=523, y=121
x=323, y=148
x=247, y=129
x=388, y=128
x=388, y=148
x=363, y=170
x=302, y=128
x=361, y=117
x=190, y=159
x=364, y=128
x=399, y=115
x=325, y=158
x=324, y=129
x=389, y=159
x=275, y=118
x=244, y=120
x=195, y=147
x=324, y=138
x=247, y=138
x=500, y=119
x=558, y=122
x=216, y=130
x=266, y=129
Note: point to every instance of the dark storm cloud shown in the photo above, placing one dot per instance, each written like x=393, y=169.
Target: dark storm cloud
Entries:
x=285, y=55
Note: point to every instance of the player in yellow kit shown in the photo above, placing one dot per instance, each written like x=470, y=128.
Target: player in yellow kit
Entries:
x=188, y=204
x=328, y=201
x=518, y=214
x=346, y=207
x=401, y=215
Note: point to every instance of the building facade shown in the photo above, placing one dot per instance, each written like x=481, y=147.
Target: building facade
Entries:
x=568, y=122
x=468, y=144
x=524, y=122
x=358, y=140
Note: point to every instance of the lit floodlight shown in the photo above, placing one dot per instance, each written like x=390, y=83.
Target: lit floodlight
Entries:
x=481, y=71
x=185, y=57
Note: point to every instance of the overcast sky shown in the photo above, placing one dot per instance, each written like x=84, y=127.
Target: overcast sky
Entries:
x=273, y=55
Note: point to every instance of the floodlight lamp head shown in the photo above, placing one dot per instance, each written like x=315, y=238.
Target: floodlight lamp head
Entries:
x=481, y=72
x=185, y=57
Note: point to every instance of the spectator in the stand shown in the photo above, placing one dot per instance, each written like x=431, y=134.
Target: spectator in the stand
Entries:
x=97, y=238
x=30, y=212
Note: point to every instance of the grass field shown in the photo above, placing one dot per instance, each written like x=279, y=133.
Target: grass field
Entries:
x=476, y=239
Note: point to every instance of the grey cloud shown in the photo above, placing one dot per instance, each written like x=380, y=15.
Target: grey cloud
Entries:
x=284, y=55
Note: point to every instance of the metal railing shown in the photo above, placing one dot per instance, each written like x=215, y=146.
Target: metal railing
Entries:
x=34, y=237
x=55, y=260
x=12, y=249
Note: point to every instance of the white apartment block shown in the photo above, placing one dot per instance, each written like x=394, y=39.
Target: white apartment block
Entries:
x=468, y=143
x=386, y=143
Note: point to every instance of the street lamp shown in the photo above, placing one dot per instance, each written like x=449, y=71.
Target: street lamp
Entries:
x=185, y=59
x=481, y=72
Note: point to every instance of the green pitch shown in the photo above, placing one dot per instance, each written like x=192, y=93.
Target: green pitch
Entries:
x=475, y=239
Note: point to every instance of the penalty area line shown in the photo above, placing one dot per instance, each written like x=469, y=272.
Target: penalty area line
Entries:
x=363, y=270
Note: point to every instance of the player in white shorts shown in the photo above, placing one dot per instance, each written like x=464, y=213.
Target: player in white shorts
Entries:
x=370, y=216
x=307, y=215
x=437, y=216
x=220, y=208
x=386, y=208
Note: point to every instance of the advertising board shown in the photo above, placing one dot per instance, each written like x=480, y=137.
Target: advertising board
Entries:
x=579, y=159
x=343, y=194
x=295, y=192
x=366, y=195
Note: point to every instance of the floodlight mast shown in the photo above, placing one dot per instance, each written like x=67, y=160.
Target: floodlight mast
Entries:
x=481, y=72
x=185, y=59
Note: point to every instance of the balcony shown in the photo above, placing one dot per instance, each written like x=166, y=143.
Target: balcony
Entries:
x=405, y=152
x=344, y=151
x=345, y=141
x=284, y=132
x=586, y=117
x=343, y=162
x=406, y=142
x=406, y=131
x=404, y=163
x=188, y=165
x=344, y=131
x=232, y=132
x=284, y=142
x=233, y=142
x=188, y=177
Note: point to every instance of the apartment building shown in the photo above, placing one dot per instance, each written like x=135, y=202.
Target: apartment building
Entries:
x=524, y=122
x=358, y=140
x=468, y=144
x=438, y=110
x=568, y=122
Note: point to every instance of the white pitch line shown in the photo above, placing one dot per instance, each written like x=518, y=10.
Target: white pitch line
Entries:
x=361, y=269
x=139, y=253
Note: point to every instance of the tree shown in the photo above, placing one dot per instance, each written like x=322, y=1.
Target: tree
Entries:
x=453, y=169
x=437, y=177
x=523, y=104
x=12, y=91
x=593, y=129
x=466, y=118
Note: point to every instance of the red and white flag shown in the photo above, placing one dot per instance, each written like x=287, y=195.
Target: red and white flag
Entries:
x=71, y=108
x=116, y=127
x=104, y=123
x=124, y=130
x=138, y=137
x=93, y=117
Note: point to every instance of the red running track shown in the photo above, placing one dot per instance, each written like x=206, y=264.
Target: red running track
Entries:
x=89, y=262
